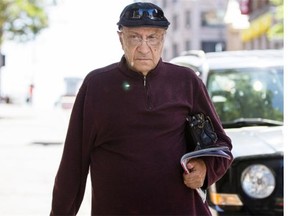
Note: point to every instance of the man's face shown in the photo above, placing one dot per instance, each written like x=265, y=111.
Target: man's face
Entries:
x=142, y=47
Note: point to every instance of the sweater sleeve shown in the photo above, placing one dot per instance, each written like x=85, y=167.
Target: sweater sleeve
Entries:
x=216, y=166
x=70, y=181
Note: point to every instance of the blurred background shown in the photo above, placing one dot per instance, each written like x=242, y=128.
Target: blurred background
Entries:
x=75, y=38
x=79, y=37
x=47, y=47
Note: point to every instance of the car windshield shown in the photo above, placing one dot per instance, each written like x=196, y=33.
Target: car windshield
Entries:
x=247, y=93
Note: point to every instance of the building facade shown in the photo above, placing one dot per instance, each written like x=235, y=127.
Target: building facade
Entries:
x=262, y=17
x=195, y=24
x=218, y=25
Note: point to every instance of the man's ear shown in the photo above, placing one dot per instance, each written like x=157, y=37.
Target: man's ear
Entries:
x=120, y=38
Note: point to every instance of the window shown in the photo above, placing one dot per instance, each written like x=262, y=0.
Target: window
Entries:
x=164, y=3
x=247, y=93
x=212, y=18
x=188, y=19
x=175, y=49
x=175, y=22
x=212, y=46
x=187, y=45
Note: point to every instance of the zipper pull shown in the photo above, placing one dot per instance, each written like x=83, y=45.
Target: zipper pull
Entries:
x=144, y=81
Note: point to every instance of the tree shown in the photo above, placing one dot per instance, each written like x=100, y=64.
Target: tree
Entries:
x=277, y=30
x=22, y=20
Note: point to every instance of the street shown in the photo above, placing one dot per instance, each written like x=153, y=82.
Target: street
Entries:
x=31, y=143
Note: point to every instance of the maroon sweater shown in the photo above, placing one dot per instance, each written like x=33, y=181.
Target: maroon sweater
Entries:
x=129, y=130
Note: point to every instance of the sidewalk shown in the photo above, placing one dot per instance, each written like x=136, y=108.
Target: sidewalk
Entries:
x=16, y=111
x=31, y=145
x=38, y=125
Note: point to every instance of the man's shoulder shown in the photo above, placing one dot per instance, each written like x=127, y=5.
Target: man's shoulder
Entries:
x=179, y=69
x=103, y=71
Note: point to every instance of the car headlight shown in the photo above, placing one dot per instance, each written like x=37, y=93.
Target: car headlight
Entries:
x=258, y=181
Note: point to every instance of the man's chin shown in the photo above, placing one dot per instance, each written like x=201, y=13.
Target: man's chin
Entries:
x=143, y=66
x=143, y=70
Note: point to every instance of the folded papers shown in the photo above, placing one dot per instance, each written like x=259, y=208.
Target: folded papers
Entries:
x=220, y=151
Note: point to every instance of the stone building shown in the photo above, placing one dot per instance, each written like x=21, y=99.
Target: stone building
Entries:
x=195, y=24
x=217, y=25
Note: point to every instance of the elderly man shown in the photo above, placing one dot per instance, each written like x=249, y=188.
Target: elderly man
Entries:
x=127, y=127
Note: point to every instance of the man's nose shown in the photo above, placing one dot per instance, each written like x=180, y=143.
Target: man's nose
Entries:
x=144, y=45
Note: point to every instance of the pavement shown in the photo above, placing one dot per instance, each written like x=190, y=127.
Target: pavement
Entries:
x=15, y=111
x=31, y=144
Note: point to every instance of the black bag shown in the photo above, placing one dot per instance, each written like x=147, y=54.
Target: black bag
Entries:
x=199, y=132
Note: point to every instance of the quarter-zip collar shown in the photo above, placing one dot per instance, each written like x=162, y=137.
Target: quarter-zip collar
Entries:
x=131, y=73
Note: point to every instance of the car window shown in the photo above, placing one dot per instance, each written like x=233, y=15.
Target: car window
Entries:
x=247, y=93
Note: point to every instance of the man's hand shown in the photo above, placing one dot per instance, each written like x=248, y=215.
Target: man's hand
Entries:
x=196, y=177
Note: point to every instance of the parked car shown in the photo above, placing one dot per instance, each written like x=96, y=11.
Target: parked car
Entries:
x=246, y=88
x=66, y=102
